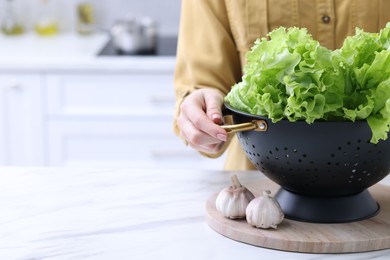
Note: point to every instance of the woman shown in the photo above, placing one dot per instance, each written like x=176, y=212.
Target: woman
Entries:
x=214, y=37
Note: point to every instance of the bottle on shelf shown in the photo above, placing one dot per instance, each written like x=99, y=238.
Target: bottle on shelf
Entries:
x=46, y=24
x=85, y=17
x=10, y=24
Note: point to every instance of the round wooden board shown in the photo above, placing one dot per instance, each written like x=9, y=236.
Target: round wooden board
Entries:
x=361, y=236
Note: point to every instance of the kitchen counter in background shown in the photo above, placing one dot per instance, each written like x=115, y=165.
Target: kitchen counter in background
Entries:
x=66, y=45
x=122, y=213
x=30, y=52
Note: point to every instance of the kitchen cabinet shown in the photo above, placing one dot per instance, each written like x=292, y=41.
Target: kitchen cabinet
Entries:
x=21, y=119
x=115, y=118
x=64, y=103
x=92, y=118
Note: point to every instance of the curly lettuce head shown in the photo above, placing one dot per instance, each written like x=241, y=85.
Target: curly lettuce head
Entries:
x=291, y=76
x=367, y=56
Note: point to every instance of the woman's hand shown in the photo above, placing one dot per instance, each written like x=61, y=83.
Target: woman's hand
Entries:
x=199, y=120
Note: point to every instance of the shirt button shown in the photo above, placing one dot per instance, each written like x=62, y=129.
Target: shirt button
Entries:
x=325, y=19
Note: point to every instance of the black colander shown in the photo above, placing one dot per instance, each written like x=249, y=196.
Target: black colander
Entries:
x=323, y=169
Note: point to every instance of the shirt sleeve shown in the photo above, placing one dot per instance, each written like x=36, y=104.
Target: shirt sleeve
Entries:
x=206, y=54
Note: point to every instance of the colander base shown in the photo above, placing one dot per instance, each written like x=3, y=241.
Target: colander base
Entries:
x=339, y=209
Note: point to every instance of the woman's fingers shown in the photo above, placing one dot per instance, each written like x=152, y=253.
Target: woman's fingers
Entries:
x=198, y=121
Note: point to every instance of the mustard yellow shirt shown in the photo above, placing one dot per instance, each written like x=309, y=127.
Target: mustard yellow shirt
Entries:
x=215, y=35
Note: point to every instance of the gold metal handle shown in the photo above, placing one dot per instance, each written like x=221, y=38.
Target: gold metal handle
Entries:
x=257, y=125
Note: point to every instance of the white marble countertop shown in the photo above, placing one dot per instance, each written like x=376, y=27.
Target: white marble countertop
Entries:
x=86, y=213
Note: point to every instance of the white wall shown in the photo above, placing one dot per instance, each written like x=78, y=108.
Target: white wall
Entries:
x=165, y=12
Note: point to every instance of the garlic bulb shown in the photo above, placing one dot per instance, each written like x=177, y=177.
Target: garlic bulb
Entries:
x=264, y=212
x=233, y=200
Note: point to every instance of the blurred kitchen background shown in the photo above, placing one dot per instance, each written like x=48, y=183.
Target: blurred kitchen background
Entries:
x=65, y=12
x=90, y=83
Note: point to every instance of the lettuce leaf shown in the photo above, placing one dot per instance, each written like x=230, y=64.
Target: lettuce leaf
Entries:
x=291, y=76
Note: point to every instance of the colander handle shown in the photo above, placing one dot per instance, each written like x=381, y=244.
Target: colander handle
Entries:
x=257, y=125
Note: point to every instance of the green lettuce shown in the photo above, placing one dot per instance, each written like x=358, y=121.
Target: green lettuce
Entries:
x=291, y=76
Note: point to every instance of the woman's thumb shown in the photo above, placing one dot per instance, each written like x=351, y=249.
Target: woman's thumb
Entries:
x=214, y=107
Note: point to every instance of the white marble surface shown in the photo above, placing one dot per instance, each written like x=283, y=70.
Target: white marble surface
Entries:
x=85, y=213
